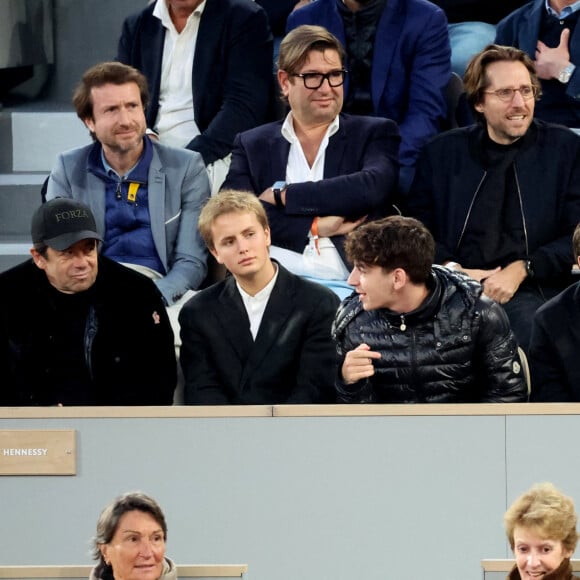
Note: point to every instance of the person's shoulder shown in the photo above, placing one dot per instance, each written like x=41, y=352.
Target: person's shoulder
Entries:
x=453, y=136
x=305, y=289
x=423, y=8
x=565, y=303
x=261, y=132
x=347, y=311
x=365, y=123
x=207, y=300
x=174, y=155
x=237, y=8
x=523, y=11
x=551, y=133
x=143, y=13
x=111, y=274
x=76, y=154
x=19, y=278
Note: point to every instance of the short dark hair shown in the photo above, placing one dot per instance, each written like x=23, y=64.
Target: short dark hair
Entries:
x=109, y=519
x=394, y=242
x=476, y=80
x=104, y=73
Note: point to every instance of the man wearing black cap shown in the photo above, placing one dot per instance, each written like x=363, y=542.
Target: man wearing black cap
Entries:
x=79, y=329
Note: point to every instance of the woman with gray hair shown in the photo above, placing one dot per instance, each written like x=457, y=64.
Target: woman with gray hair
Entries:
x=130, y=541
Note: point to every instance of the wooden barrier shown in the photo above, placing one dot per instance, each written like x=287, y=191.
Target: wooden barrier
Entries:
x=309, y=492
x=184, y=572
x=498, y=569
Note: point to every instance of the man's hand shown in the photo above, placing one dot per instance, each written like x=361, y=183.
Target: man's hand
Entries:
x=268, y=196
x=358, y=364
x=504, y=284
x=333, y=225
x=478, y=274
x=551, y=61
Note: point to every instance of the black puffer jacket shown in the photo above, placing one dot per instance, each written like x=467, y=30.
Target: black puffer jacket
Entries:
x=457, y=347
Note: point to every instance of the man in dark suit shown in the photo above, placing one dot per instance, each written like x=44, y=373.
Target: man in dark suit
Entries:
x=399, y=62
x=333, y=170
x=227, y=45
x=262, y=335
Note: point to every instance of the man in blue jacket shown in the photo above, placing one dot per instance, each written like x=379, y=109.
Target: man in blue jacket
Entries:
x=546, y=30
x=399, y=63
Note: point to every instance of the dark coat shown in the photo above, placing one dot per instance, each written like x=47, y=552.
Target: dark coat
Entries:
x=547, y=166
x=457, y=347
x=291, y=361
x=478, y=10
x=360, y=175
x=232, y=70
x=128, y=345
x=554, y=348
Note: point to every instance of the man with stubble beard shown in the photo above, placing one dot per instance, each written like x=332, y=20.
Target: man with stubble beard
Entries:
x=502, y=197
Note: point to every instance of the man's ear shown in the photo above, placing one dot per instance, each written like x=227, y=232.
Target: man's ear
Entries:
x=400, y=278
x=213, y=252
x=38, y=259
x=90, y=124
x=283, y=81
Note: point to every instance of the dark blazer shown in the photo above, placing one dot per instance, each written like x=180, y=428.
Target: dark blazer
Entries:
x=292, y=360
x=411, y=65
x=360, y=175
x=232, y=69
x=554, y=347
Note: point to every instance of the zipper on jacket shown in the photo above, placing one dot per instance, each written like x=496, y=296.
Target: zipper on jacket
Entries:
x=469, y=210
x=521, y=201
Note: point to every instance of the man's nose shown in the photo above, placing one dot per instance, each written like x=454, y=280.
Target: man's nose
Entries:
x=517, y=99
x=352, y=278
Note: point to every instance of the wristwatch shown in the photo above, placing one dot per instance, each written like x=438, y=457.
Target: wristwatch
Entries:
x=565, y=74
x=529, y=268
x=278, y=188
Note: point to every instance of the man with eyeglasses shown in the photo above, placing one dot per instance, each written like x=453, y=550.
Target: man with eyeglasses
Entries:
x=502, y=197
x=319, y=173
x=546, y=30
x=399, y=62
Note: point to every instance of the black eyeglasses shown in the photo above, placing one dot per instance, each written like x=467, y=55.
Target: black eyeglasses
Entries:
x=314, y=80
x=527, y=91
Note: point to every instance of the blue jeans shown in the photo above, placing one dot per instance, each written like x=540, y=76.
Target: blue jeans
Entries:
x=467, y=39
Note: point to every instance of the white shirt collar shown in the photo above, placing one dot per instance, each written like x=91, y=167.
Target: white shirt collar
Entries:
x=290, y=135
x=162, y=12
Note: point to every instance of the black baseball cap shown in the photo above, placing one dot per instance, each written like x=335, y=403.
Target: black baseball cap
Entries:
x=62, y=222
